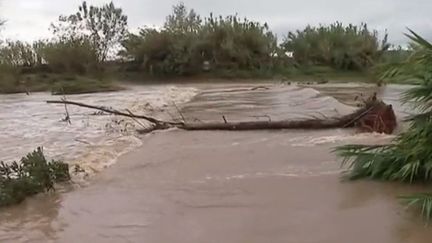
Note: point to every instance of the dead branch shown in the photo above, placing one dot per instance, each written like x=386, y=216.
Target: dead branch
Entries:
x=158, y=123
x=225, y=120
x=67, y=116
x=136, y=120
x=180, y=113
x=357, y=118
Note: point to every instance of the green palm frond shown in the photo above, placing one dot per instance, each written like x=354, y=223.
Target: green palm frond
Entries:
x=421, y=202
x=364, y=161
x=408, y=158
x=421, y=95
x=416, y=38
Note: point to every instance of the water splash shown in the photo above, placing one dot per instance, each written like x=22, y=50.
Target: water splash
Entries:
x=94, y=140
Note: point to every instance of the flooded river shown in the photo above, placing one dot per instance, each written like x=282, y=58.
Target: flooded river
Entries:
x=93, y=140
x=212, y=186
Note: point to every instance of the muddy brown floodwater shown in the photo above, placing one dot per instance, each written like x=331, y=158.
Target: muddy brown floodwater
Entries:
x=230, y=187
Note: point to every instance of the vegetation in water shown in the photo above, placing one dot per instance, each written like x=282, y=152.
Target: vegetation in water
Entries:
x=32, y=175
x=409, y=158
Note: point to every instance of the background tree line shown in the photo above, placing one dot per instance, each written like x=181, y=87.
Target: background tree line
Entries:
x=85, y=42
x=186, y=41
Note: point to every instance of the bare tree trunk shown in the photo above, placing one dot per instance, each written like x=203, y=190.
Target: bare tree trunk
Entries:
x=262, y=125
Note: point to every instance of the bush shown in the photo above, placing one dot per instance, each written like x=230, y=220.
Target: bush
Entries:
x=9, y=79
x=342, y=47
x=81, y=85
x=33, y=175
x=73, y=56
x=18, y=54
x=186, y=42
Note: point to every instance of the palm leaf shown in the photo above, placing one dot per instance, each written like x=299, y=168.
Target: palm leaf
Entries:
x=408, y=158
x=418, y=39
x=421, y=201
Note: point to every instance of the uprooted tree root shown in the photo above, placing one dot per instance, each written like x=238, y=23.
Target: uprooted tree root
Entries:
x=375, y=116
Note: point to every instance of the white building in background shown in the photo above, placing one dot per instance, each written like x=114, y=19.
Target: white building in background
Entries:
x=289, y=54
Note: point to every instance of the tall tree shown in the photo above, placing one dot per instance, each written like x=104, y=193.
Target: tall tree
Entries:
x=183, y=20
x=105, y=26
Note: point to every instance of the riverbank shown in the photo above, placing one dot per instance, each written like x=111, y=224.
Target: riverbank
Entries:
x=307, y=75
x=57, y=84
x=116, y=81
x=13, y=82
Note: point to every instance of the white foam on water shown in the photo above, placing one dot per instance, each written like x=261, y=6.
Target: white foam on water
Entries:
x=362, y=138
x=93, y=142
x=105, y=154
x=258, y=175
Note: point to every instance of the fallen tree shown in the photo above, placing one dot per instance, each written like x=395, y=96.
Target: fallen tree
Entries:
x=375, y=116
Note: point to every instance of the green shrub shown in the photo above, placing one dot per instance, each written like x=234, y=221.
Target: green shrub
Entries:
x=33, y=175
x=342, y=47
x=70, y=56
x=186, y=42
x=81, y=85
x=9, y=79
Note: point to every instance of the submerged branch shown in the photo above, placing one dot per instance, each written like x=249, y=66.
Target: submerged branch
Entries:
x=159, y=124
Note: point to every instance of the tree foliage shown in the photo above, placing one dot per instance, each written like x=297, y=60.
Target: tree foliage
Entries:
x=97, y=38
x=70, y=56
x=105, y=26
x=186, y=42
x=17, y=53
x=409, y=158
x=66, y=55
x=343, y=47
x=182, y=20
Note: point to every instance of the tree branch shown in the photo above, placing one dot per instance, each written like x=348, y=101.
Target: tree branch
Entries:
x=158, y=123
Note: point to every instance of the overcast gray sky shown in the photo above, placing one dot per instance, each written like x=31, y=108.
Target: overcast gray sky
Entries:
x=30, y=19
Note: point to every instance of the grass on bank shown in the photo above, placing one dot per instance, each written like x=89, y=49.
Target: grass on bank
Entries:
x=303, y=73
x=56, y=83
x=31, y=176
x=320, y=74
x=14, y=82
